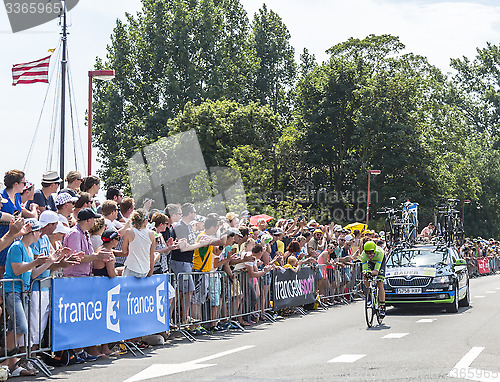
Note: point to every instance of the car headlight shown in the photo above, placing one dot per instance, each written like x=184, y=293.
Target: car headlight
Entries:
x=441, y=280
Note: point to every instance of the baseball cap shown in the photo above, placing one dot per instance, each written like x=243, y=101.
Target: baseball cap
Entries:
x=64, y=198
x=61, y=228
x=244, y=214
x=317, y=230
x=109, y=235
x=27, y=186
x=48, y=217
x=230, y=216
x=87, y=213
x=35, y=224
x=348, y=237
x=337, y=227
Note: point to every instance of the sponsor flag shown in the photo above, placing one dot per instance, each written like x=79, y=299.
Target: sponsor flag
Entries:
x=31, y=72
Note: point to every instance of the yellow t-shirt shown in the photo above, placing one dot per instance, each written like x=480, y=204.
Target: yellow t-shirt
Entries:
x=201, y=254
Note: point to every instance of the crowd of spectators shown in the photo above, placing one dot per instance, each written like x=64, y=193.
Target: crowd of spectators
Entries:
x=66, y=232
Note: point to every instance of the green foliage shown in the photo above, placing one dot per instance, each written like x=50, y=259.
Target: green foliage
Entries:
x=201, y=66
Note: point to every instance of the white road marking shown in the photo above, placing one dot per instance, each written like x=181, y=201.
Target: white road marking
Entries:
x=479, y=296
x=348, y=358
x=395, y=335
x=492, y=291
x=467, y=359
x=159, y=370
x=423, y=320
x=463, y=371
x=498, y=287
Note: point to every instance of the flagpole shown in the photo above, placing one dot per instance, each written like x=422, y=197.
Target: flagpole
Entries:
x=63, y=91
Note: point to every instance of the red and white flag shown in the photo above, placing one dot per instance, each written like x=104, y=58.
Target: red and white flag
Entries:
x=31, y=72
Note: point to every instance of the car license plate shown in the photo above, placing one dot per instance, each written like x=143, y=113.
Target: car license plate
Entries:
x=409, y=290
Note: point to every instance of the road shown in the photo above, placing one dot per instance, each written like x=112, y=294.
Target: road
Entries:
x=424, y=344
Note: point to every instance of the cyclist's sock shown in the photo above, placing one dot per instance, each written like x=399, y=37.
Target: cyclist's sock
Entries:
x=382, y=303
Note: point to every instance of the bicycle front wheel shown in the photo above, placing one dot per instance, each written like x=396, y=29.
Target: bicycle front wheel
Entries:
x=369, y=308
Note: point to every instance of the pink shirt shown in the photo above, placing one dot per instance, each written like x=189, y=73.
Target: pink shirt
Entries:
x=78, y=241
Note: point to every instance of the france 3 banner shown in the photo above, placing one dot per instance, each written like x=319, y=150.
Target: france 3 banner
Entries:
x=293, y=289
x=90, y=311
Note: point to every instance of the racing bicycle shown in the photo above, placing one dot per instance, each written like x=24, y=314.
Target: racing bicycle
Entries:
x=372, y=304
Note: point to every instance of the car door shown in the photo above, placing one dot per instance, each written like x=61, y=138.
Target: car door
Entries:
x=460, y=271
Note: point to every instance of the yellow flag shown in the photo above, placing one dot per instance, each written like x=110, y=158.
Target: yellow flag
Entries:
x=51, y=50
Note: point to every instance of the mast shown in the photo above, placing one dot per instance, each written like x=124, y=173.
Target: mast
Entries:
x=63, y=90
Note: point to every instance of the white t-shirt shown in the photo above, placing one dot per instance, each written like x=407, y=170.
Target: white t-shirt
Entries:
x=113, y=224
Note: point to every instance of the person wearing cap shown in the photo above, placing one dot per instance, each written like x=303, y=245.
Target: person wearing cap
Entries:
x=27, y=196
x=233, y=219
x=110, y=238
x=317, y=244
x=44, y=197
x=78, y=240
x=22, y=265
x=14, y=182
x=73, y=179
x=57, y=237
x=245, y=218
x=65, y=204
x=40, y=297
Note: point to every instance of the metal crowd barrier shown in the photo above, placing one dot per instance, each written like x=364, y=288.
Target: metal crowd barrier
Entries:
x=338, y=284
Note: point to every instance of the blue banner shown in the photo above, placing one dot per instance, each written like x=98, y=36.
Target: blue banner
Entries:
x=90, y=311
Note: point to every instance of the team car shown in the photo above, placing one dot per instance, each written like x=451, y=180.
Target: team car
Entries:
x=427, y=274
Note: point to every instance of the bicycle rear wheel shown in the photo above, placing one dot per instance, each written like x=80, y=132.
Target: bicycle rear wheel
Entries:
x=369, y=308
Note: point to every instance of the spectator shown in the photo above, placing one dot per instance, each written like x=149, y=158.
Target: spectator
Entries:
x=91, y=184
x=127, y=206
x=10, y=206
x=84, y=201
x=40, y=296
x=78, y=240
x=109, y=240
x=96, y=232
x=115, y=195
x=254, y=274
x=203, y=262
x=44, y=197
x=22, y=265
x=233, y=219
x=74, y=179
x=27, y=196
x=110, y=211
x=182, y=259
x=317, y=244
x=65, y=204
x=139, y=246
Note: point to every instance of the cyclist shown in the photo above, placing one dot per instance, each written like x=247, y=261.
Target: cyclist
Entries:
x=373, y=263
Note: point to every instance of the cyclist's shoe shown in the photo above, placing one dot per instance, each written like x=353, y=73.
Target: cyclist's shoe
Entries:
x=382, y=311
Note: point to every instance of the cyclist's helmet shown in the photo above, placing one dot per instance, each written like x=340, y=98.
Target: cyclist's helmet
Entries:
x=370, y=246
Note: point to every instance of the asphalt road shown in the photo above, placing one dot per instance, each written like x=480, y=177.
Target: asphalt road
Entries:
x=424, y=344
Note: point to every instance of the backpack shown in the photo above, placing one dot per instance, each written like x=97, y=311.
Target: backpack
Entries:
x=60, y=358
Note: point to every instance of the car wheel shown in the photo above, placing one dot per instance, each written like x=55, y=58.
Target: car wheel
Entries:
x=453, y=307
x=466, y=300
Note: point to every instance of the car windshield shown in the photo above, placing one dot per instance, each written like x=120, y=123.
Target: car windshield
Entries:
x=417, y=257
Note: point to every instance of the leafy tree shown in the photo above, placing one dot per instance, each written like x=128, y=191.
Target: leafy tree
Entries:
x=277, y=67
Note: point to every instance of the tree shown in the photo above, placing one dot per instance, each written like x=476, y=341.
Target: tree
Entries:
x=171, y=53
x=277, y=67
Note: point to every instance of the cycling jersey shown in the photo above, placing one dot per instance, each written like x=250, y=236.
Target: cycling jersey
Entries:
x=376, y=262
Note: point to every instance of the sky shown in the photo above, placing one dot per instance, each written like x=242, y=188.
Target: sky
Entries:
x=438, y=30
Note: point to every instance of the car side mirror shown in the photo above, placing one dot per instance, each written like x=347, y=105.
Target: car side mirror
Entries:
x=461, y=262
